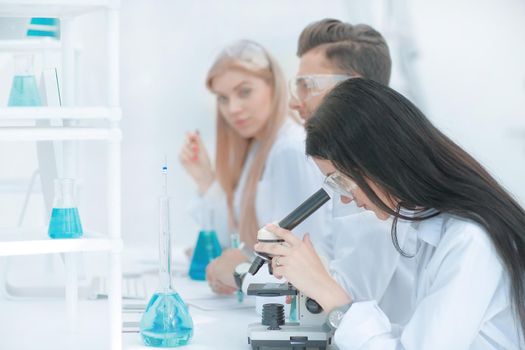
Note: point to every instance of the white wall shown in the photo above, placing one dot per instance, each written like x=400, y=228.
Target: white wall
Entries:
x=473, y=71
x=167, y=49
x=469, y=64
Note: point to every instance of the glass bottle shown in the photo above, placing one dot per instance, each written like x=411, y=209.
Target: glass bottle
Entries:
x=206, y=249
x=166, y=322
x=24, y=90
x=65, y=220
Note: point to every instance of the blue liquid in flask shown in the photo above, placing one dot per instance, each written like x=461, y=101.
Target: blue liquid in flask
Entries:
x=207, y=249
x=166, y=321
x=24, y=91
x=65, y=223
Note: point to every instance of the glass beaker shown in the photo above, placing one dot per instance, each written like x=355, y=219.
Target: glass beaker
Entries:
x=24, y=90
x=206, y=249
x=65, y=221
x=166, y=322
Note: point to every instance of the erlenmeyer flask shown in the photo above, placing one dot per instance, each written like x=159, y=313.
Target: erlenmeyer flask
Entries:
x=166, y=321
x=206, y=249
x=24, y=90
x=65, y=221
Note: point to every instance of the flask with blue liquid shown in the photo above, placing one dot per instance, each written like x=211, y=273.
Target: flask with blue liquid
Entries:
x=24, y=90
x=65, y=220
x=166, y=322
x=206, y=249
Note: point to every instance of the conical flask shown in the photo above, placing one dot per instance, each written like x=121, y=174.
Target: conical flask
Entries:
x=65, y=220
x=166, y=321
x=206, y=249
x=24, y=90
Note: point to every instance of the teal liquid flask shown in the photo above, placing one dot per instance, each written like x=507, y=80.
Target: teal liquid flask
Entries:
x=206, y=249
x=24, y=90
x=166, y=322
x=64, y=221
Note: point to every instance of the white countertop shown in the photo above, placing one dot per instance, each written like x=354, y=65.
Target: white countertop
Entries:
x=219, y=322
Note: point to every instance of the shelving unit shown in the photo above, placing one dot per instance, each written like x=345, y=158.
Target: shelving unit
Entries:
x=16, y=242
x=29, y=45
x=24, y=124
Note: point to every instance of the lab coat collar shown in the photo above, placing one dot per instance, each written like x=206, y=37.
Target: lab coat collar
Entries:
x=429, y=230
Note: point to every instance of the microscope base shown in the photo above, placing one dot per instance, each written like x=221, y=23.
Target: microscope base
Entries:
x=290, y=336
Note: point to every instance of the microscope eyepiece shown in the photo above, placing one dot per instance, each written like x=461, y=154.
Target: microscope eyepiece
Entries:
x=298, y=215
x=307, y=208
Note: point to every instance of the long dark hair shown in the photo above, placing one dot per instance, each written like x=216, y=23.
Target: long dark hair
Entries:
x=369, y=131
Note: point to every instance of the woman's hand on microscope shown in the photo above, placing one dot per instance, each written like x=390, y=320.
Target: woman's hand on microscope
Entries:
x=298, y=262
x=194, y=157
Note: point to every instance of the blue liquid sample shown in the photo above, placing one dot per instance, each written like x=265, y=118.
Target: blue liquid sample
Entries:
x=24, y=91
x=166, y=321
x=207, y=249
x=293, y=309
x=65, y=223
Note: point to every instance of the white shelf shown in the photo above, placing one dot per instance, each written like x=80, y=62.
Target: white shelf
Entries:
x=29, y=45
x=79, y=123
x=50, y=113
x=52, y=8
x=32, y=242
x=58, y=134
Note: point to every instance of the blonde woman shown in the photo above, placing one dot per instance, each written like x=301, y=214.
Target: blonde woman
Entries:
x=261, y=172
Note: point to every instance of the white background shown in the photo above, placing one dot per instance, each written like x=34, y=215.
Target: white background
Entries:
x=465, y=70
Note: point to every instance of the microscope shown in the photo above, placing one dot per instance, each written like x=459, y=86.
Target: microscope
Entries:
x=310, y=330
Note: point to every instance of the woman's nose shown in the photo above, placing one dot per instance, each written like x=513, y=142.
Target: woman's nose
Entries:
x=235, y=106
x=346, y=200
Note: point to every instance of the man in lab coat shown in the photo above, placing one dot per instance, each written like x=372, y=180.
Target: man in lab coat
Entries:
x=364, y=260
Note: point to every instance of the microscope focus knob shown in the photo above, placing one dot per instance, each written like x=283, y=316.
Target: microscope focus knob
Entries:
x=313, y=306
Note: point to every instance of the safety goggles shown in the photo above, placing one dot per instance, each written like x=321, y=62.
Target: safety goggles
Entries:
x=304, y=87
x=341, y=184
x=250, y=54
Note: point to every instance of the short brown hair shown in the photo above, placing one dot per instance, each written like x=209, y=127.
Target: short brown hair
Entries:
x=353, y=48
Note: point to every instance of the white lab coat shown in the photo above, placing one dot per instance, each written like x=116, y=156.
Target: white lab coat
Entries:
x=366, y=264
x=461, y=296
x=289, y=177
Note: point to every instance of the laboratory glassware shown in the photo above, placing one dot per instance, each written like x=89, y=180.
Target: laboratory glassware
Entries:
x=166, y=322
x=206, y=249
x=65, y=220
x=235, y=243
x=24, y=90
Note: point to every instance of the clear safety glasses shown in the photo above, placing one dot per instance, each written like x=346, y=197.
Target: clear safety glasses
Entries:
x=251, y=54
x=304, y=87
x=341, y=184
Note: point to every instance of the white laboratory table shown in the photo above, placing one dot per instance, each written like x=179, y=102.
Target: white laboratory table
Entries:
x=41, y=324
x=28, y=324
x=217, y=328
x=212, y=330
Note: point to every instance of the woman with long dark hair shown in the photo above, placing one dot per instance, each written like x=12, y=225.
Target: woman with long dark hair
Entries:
x=380, y=151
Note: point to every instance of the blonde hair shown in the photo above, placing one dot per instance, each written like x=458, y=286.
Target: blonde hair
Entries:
x=232, y=148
